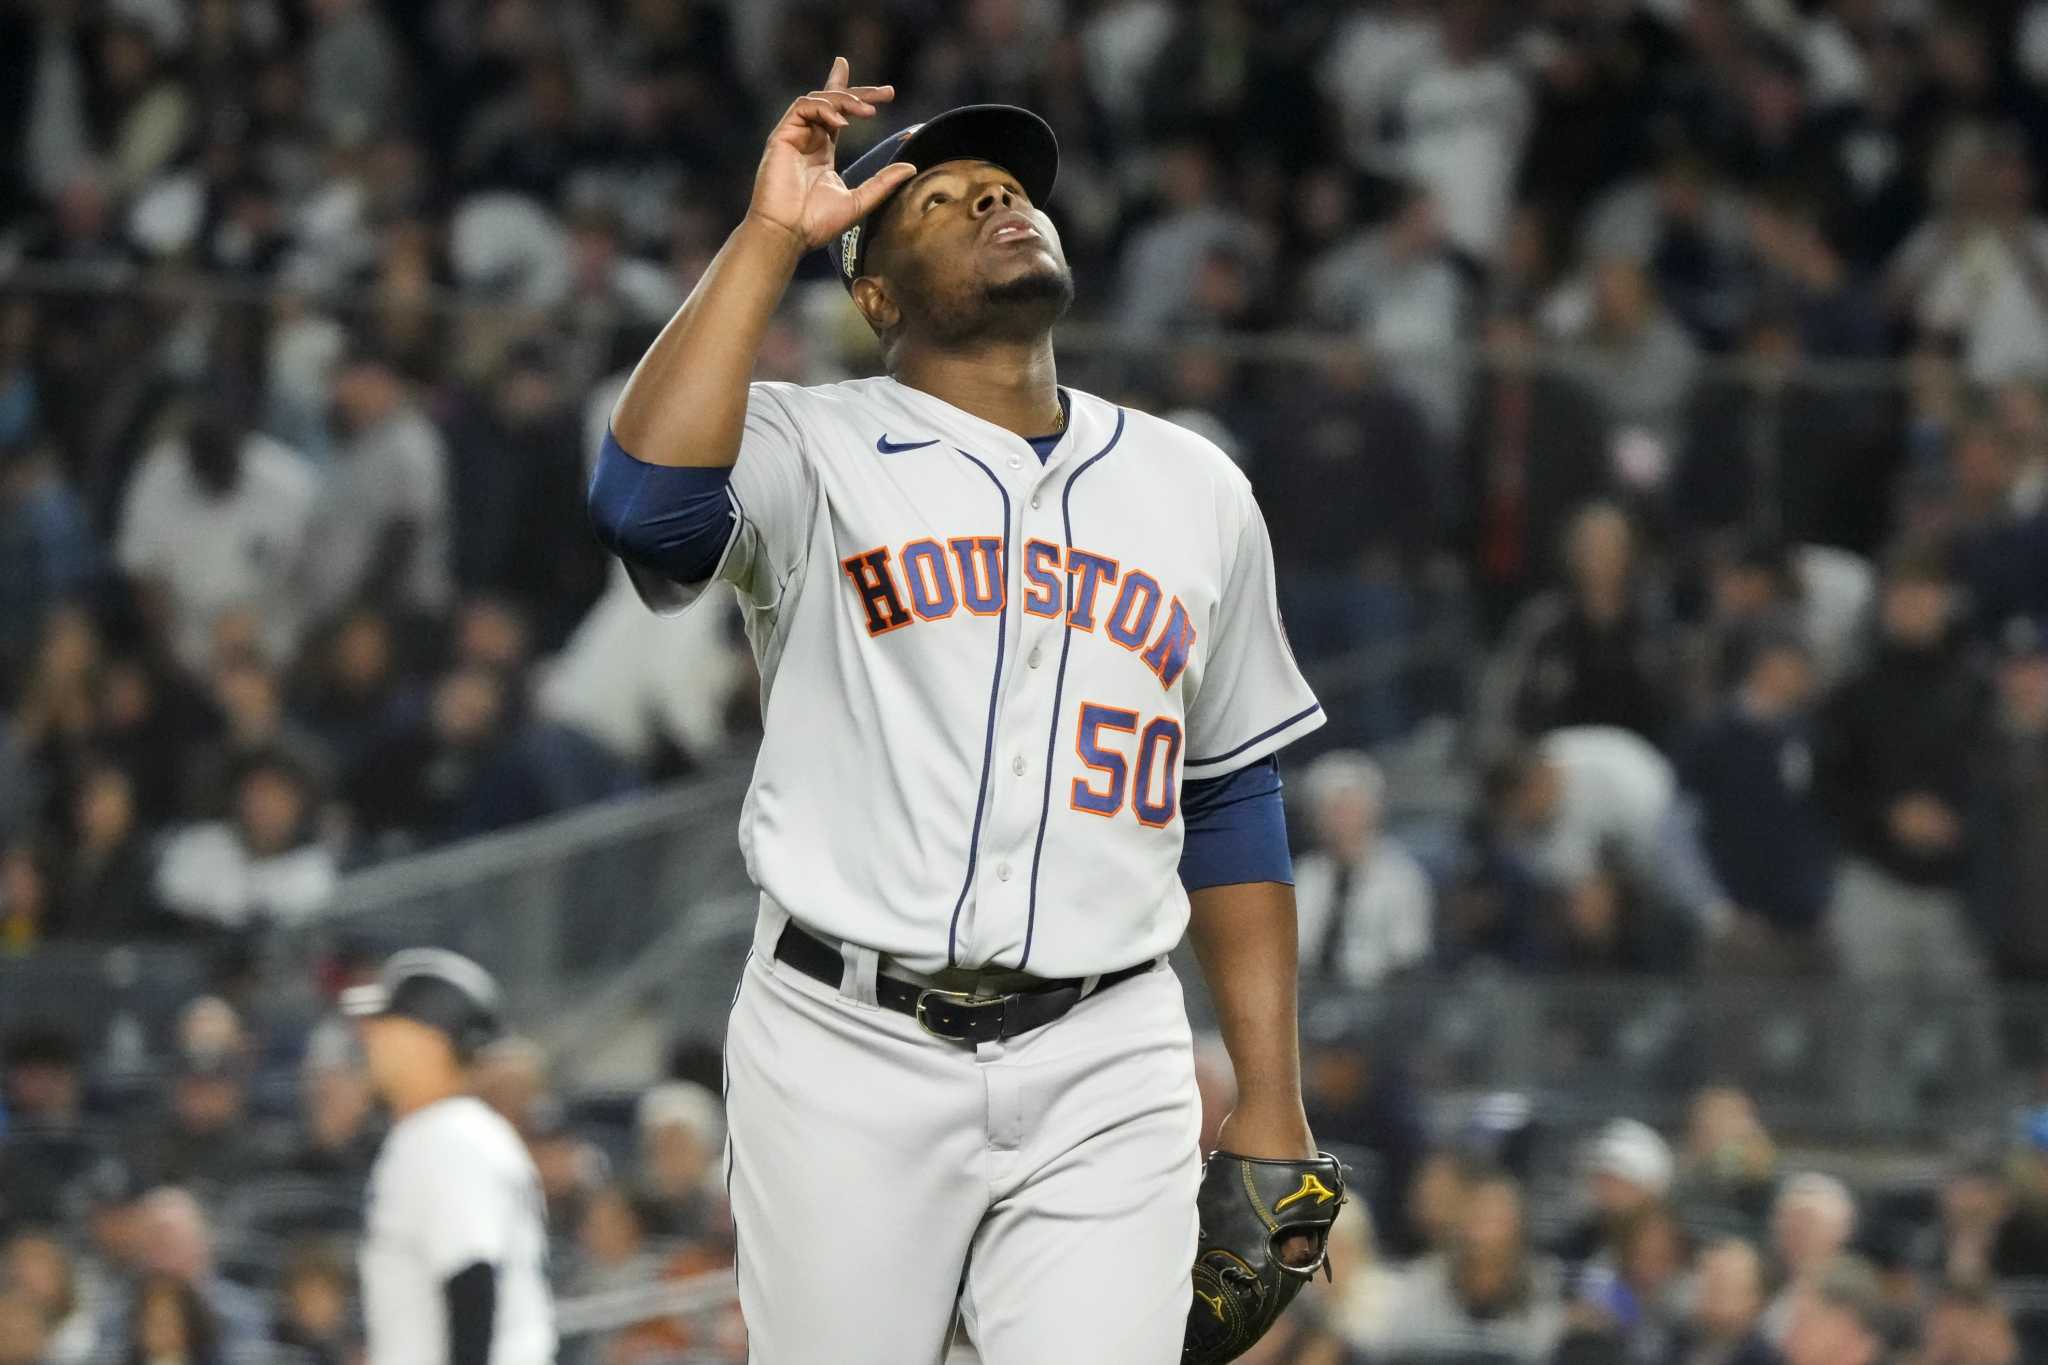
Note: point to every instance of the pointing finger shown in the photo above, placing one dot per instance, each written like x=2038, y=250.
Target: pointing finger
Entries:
x=841, y=73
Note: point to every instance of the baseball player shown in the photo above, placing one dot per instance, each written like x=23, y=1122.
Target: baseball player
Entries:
x=1023, y=681
x=454, y=1254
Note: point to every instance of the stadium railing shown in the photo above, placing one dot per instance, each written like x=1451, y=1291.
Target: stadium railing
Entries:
x=556, y=909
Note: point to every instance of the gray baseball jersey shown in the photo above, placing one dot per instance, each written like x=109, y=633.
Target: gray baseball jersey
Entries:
x=985, y=679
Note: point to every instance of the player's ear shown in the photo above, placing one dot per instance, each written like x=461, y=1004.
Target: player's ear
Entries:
x=871, y=295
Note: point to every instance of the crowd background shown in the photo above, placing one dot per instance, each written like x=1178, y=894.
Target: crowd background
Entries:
x=1649, y=399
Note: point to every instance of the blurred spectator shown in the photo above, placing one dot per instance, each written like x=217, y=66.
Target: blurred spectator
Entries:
x=1750, y=771
x=1754, y=582
x=1893, y=769
x=1967, y=1325
x=1770, y=444
x=171, y=1324
x=353, y=690
x=106, y=892
x=151, y=722
x=177, y=1247
x=1359, y=1298
x=1163, y=261
x=1640, y=364
x=1592, y=653
x=680, y=1129
x=248, y=697
x=1991, y=1227
x=1628, y=1172
x=47, y=547
x=1686, y=223
x=36, y=1267
x=352, y=68
x=1982, y=497
x=1837, y=1319
x=1463, y=120
x=215, y=522
x=380, y=529
x=511, y=1076
x=205, y=1140
x=262, y=864
x=1632, y=1292
x=1728, y=1167
x=612, y=1244
x=1536, y=454
x=24, y=1335
x=1486, y=1294
x=572, y=1169
x=336, y=1137
x=1975, y=275
x=662, y=695
x=475, y=763
x=1358, y=1091
x=314, y=1303
x=46, y=1144
x=2008, y=814
x=27, y=899
x=1397, y=288
x=514, y=465
x=1365, y=905
x=1348, y=482
x=1594, y=811
x=1811, y=1223
x=1727, y=1302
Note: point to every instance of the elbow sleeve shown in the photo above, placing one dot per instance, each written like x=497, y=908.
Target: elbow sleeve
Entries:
x=1236, y=829
x=675, y=522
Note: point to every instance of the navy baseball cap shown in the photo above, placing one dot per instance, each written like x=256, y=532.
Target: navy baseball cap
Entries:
x=1016, y=139
x=438, y=988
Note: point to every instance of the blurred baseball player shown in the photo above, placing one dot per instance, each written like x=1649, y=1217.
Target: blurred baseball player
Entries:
x=1023, y=679
x=454, y=1255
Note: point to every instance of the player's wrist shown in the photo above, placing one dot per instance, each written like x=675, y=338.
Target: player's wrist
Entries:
x=767, y=234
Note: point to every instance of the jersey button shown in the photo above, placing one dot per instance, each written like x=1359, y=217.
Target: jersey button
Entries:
x=1037, y=657
x=1017, y=765
x=1016, y=462
x=1002, y=872
x=1034, y=502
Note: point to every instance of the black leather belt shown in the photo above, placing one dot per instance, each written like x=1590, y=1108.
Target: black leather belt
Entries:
x=952, y=1015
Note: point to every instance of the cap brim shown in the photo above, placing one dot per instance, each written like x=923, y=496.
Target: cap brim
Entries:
x=1016, y=139
x=360, y=1002
x=1003, y=135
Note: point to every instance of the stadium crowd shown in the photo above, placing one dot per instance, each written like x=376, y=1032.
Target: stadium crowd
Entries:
x=1651, y=389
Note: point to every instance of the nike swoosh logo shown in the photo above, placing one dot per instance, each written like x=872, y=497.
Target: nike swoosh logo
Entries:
x=889, y=447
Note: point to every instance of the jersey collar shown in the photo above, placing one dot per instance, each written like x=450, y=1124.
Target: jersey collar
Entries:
x=1085, y=428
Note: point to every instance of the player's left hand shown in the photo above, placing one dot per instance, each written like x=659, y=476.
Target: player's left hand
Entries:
x=1278, y=1132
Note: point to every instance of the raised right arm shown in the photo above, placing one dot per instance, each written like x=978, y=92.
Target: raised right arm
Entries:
x=686, y=402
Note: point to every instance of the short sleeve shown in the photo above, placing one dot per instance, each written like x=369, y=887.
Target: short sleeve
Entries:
x=1252, y=700
x=772, y=491
x=466, y=1207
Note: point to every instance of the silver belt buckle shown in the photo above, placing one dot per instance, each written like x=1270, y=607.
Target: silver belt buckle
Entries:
x=961, y=998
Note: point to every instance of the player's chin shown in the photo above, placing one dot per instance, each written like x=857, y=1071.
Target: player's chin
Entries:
x=1039, y=277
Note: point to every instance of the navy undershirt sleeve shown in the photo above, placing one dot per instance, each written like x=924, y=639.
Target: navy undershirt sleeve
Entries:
x=673, y=521
x=472, y=1299
x=1236, y=829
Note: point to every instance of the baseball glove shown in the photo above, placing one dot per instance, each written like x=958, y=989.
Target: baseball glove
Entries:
x=1248, y=1207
